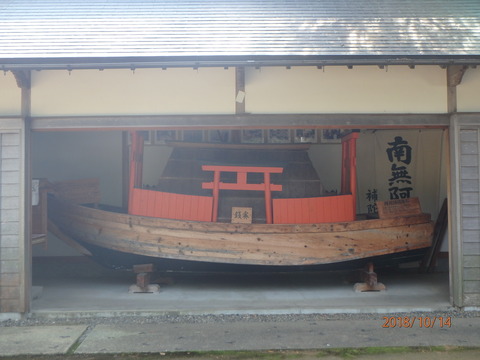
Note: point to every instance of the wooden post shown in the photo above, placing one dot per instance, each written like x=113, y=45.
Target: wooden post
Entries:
x=369, y=276
x=239, y=99
x=23, y=297
x=142, y=284
x=454, y=78
x=125, y=171
x=353, y=172
x=136, y=165
x=215, y=193
x=268, y=199
x=349, y=168
x=344, y=188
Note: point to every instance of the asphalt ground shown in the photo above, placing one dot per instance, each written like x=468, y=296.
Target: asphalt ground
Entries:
x=397, y=353
x=315, y=334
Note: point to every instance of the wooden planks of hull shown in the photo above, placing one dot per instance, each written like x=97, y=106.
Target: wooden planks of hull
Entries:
x=256, y=244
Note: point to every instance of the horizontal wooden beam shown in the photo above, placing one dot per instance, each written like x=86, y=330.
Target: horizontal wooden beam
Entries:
x=239, y=121
x=466, y=119
x=74, y=63
x=11, y=123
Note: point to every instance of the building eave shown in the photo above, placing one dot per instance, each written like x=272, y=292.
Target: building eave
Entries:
x=73, y=63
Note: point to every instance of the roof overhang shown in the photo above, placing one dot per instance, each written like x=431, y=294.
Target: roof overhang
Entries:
x=73, y=63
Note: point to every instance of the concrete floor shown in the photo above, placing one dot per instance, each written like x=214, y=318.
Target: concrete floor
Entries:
x=83, y=288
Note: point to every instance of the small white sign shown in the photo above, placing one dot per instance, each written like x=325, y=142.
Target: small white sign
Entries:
x=240, y=97
x=35, y=192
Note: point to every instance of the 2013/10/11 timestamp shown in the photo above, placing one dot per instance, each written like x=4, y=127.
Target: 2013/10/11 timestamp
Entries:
x=420, y=321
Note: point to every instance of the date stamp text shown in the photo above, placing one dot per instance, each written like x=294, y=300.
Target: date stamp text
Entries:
x=420, y=321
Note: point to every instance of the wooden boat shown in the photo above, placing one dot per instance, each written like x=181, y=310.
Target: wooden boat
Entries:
x=297, y=232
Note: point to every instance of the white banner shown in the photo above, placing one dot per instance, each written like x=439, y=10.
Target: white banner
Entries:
x=397, y=164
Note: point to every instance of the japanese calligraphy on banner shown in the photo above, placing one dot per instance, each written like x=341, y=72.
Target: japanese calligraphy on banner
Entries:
x=399, y=154
x=400, y=164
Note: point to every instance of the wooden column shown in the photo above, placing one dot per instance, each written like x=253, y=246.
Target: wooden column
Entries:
x=23, y=78
x=136, y=165
x=268, y=199
x=125, y=170
x=240, y=90
x=215, y=194
x=239, y=99
x=349, y=167
x=454, y=78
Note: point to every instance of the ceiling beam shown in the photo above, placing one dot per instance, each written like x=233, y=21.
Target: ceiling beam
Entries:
x=239, y=121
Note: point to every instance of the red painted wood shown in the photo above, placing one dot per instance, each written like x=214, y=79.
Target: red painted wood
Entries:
x=241, y=184
x=171, y=206
x=313, y=210
x=235, y=186
x=136, y=165
x=245, y=169
x=349, y=167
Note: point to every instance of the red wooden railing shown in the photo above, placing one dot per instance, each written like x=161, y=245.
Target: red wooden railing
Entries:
x=170, y=206
x=328, y=208
x=313, y=210
x=161, y=204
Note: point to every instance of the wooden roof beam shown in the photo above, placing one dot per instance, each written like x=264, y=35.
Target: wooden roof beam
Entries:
x=23, y=78
x=454, y=78
x=455, y=74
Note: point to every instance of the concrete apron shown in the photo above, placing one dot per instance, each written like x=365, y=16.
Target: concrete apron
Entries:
x=76, y=292
x=90, y=290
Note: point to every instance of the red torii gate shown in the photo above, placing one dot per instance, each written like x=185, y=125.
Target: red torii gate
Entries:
x=242, y=171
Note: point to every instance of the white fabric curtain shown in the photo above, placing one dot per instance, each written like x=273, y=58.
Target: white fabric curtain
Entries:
x=401, y=164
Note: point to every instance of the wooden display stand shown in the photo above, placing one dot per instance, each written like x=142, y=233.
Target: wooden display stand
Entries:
x=370, y=281
x=143, y=285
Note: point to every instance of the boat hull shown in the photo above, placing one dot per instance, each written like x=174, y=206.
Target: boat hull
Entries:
x=125, y=261
x=282, y=245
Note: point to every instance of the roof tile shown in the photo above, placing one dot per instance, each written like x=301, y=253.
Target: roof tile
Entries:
x=185, y=28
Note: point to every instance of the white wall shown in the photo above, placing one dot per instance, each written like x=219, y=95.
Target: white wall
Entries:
x=327, y=161
x=334, y=89
x=468, y=92
x=337, y=89
x=126, y=92
x=155, y=159
x=9, y=95
x=78, y=155
x=61, y=156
